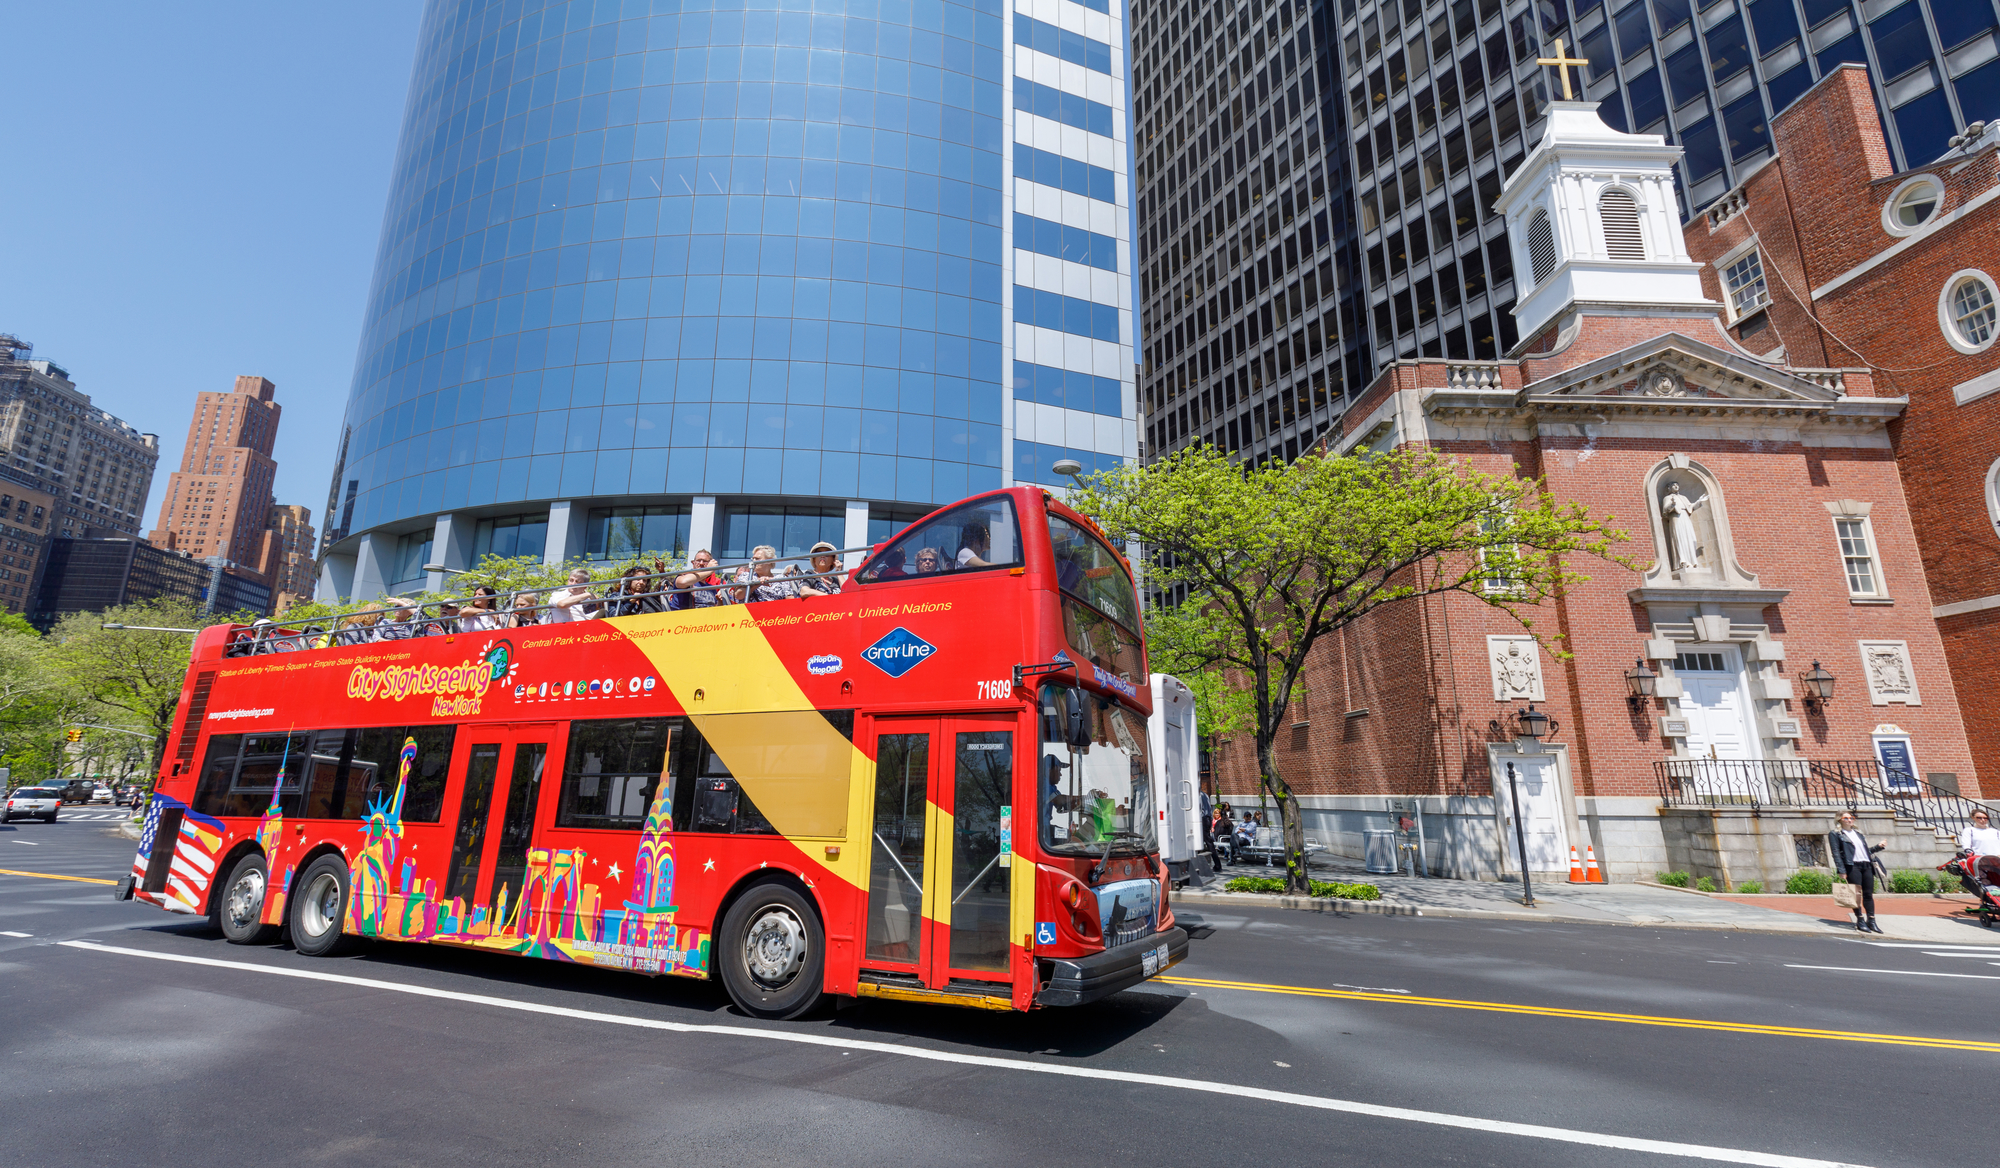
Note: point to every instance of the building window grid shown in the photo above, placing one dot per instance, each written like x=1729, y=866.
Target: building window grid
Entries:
x=1973, y=311
x=1857, y=554
x=1743, y=276
x=1312, y=374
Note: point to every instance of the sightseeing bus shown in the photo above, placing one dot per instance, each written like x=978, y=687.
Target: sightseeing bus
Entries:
x=930, y=785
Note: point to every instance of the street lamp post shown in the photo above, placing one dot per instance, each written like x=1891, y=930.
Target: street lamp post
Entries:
x=1533, y=724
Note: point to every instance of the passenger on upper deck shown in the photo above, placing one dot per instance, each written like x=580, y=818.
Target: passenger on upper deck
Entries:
x=482, y=613
x=633, y=594
x=699, y=588
x=524, y=615
x=444, y=624
x=891, y=566
x=359, y=627
x=928, y=561
x=574, y=603
x=977, y=547
x=824, y=580
x=763, y=583
x=402, y=622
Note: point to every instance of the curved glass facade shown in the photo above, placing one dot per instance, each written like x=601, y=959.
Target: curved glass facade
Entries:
x=640, y=251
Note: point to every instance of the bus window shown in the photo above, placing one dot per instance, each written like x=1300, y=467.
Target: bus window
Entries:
x=244, y=773
x=1088, y=570
x=1098, y=796
x=376, y=763
x=613, y=767
x=975, y=537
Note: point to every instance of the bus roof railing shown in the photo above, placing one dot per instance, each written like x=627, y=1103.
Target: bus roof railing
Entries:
x=260, y=638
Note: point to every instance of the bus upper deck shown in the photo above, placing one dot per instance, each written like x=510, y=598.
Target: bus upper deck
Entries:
x=924, y=784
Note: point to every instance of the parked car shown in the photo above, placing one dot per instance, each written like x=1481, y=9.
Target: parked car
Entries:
x=102, y=794
x=26, y=801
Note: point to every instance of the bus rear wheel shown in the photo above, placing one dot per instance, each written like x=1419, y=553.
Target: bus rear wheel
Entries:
x=773, y=952
x=318, y=906
x=239, y=910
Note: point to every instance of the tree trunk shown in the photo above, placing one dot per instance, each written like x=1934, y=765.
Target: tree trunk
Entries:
x=1289, y=814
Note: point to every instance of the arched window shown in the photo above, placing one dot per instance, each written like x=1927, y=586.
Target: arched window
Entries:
x=1622, y=240
x=1541, y=246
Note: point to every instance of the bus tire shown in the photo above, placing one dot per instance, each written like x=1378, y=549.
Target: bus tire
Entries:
x=773, y=952
x=239, y=904
x=318, y=908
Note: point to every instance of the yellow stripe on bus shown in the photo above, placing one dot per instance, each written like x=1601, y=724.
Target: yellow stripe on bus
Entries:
x=1598, y=1015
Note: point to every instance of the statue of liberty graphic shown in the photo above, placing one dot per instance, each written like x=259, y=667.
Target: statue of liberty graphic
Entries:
x=370, y=872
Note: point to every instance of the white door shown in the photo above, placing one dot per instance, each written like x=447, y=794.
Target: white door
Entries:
x=1719, y=737
x=1541, y=811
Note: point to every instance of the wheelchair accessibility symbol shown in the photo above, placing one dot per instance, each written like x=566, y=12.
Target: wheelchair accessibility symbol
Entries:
x=1045, y=932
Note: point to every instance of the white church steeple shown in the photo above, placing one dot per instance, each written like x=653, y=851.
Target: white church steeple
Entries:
x=1593, y=222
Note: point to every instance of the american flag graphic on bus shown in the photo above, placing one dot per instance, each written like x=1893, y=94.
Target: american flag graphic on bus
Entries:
x=194, y=848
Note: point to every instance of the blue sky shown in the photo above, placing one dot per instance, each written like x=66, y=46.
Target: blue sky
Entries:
x=194, y=191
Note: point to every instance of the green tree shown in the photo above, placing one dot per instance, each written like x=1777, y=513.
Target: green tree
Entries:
x=130, y=678
x=1275, y=557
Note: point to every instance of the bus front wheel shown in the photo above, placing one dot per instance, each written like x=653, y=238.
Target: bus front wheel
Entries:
x=239, y=911
x=318, y=905
x=773, y=952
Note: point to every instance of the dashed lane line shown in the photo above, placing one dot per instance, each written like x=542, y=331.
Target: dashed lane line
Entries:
x=1904, y=972
x=55, y=876
x=1608, y=1016
x=1206, y=1086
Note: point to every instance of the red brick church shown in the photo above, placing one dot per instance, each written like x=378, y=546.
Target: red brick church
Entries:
x=1789, y=402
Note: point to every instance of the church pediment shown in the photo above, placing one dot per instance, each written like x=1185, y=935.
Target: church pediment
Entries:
x=1676, y=367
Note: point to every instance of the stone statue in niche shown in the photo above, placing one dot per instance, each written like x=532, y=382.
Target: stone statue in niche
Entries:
x=1683, y=541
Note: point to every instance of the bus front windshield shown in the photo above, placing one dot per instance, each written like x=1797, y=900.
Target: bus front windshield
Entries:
x=1094, y=776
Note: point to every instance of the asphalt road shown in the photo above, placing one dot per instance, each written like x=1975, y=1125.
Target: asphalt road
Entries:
x=1286, y=1038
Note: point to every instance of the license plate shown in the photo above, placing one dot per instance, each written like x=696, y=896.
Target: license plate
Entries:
x=1153, y=960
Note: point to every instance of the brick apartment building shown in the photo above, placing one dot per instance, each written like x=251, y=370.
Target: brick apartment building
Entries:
x=1768, y=513
x=218, y=504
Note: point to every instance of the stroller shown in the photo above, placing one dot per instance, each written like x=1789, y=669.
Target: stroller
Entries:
x=1981, y=877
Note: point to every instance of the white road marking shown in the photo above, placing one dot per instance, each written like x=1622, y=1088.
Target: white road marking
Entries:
x=1906, y=972
x=1316, y=1102
x=12, y=933
x=30, y=843
x=1923, y=945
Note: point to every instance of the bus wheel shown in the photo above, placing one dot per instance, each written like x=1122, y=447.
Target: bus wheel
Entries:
x=773, y=952
x=318, y=907
x=239, y=910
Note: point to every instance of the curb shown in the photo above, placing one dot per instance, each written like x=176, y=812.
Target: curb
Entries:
x=1389, y=908
x=129, y=829
x=1318, y=904
x=1733, y=895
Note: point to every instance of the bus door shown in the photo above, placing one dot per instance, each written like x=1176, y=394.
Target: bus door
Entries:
x=939, y=884
x=500, y=788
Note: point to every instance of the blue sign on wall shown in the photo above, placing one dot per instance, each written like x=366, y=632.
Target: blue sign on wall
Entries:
x=1899, y=770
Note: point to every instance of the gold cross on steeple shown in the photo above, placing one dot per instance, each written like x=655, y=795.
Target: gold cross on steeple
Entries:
x=1562, y=65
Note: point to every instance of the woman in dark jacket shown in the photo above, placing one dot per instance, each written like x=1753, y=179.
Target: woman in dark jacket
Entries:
x=1855, y=856
x=635, y=594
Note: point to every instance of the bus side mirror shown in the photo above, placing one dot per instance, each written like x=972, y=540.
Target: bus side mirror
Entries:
x=1079, y=730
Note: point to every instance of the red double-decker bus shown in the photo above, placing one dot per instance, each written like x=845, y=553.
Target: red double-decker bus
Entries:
x=932, y=785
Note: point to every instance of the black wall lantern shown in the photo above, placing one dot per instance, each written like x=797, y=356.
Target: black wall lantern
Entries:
x=1639, y=683
x=1819, y=687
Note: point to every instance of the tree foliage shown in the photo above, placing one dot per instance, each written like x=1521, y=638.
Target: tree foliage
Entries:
x=1273, y=558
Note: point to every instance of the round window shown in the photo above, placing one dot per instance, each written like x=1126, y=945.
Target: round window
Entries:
x=1913, y=205
x=1969, y=310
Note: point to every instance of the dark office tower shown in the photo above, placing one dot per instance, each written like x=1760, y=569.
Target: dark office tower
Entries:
x=1246, y=221
x=1429, y=107
x=665, y=274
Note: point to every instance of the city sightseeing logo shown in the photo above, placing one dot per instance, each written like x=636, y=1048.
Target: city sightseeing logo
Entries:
x=456, y=691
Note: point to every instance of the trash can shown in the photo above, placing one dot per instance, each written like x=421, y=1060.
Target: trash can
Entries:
x=1380, y=849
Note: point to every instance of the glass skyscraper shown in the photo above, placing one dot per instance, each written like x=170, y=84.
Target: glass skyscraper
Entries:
x=660, y=274
x=1316, y=180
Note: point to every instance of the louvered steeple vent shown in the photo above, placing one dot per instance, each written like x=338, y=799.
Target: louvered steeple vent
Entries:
x=1593, y=221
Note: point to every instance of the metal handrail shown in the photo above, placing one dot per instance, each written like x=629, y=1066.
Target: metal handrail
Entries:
x=294, y=642
x=1798, y=782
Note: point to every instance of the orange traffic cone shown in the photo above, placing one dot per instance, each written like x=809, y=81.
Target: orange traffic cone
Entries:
x=1576, y=875
x=1591, y=875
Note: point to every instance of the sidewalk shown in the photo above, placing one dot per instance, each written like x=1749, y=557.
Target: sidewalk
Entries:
x=1911, y=918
